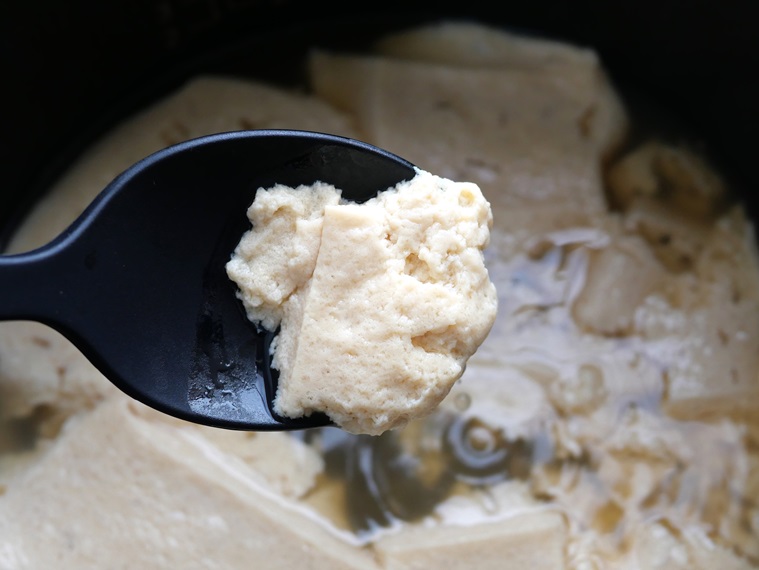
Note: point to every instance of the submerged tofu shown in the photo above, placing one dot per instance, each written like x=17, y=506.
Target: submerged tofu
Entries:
x=43, y=374
x=533, y=540
x=479, y=45
x=121, y=490
x=712, y=355
x=528, y=134
x=399, y=297
x=707, y=331
x=657, y=547
x=669, y=195
x=676, y=176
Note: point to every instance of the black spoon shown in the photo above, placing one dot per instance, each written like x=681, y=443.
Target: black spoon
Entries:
x=138, y=282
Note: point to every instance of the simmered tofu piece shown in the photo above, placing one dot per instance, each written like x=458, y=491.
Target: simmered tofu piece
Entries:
x=658, y=547
x=39, y=369
x=532, y=540
x=706, y=327
x=468, y=44
x=132, y=490
x=43, y=374
x=676, y=240
x=480, y=45
x=712, y=355
x=527, y=135
x=676, y=176
x=670, y=196
x=619, y=277
x=380, y=304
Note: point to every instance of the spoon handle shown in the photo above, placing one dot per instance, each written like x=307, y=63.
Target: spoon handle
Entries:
x=28, y=290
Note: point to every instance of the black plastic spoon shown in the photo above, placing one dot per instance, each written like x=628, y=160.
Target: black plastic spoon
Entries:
x=138, y=282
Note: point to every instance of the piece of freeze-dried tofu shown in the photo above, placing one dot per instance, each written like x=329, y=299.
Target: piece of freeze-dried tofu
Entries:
x=43, y=375
x=526, y=135
x=676, y=240
x=716, y=366
x=533, y=540
x=676, y=175
x=712, y=353
x=120, y=489
x=705, y=326
x=657, y=547
x=670, y=196
x=477, y=44
x=619, y=278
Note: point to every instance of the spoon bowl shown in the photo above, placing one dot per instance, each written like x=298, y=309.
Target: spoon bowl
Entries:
x=138, y=281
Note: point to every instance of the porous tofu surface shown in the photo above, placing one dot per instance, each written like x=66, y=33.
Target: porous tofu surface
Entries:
x=379, y=310
x=607, y=421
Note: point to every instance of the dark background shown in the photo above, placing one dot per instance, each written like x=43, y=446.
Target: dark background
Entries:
x=72, y=68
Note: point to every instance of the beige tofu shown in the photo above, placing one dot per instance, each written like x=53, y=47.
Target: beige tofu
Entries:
x=619, y=277
x=729, y=261
x=533, y=540
x=657, y=547
x=474, y=44
x=708, y=556
x=719, y=372
x=399, y=299
x=706, y=330
x=677, y=176
x=526, y=136
x=670, y=195
x=287, y=464
x=43, y=375
x=122, y=490
x=276, y=257
x=712, y=355
x=633, y=176
x=470, y=43
x=675, y=239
